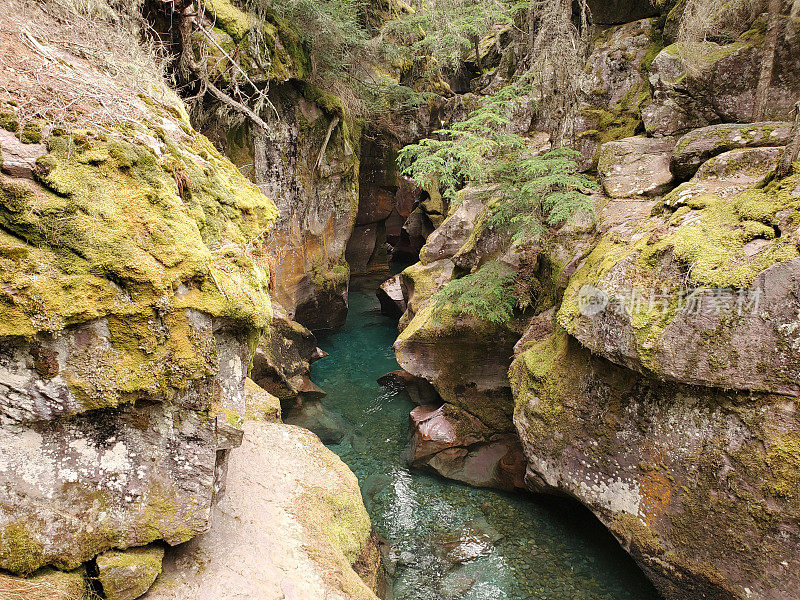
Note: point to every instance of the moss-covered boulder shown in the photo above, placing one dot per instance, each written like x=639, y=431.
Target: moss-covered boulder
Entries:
x=305, y=534
x=128, y=574
x=699, y=145
x=134, y=284
x=699, y=485
x=701, y=84
x=702, y=292
x=614, y=86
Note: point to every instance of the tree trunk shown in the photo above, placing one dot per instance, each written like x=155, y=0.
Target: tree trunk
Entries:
x=768, y=60
x=792, y=152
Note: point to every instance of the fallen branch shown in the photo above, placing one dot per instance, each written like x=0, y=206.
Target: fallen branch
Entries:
x=321, y=156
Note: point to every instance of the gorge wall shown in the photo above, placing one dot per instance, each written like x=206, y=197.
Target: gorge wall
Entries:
x=653, y=379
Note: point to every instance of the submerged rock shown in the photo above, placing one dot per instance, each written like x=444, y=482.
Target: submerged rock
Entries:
x=299, y=537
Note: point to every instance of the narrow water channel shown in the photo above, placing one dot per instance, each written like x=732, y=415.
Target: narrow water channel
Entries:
x=450, y=541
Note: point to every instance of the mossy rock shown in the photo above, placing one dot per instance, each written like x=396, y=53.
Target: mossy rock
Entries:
x=128, y=574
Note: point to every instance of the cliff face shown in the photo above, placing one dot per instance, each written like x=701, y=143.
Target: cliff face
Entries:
x=136, y=266
x=654, y=379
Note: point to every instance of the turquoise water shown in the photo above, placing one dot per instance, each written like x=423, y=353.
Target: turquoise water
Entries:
x=450, y=541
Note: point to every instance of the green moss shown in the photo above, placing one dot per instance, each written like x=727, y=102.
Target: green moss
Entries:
x=338, y=529
x=31, y=133
x=229, y=18
x=9, y=122
x=22, y=552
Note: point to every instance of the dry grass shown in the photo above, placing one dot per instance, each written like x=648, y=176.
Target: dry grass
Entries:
x=718, y=20
x=74, y=63
x=40, y=588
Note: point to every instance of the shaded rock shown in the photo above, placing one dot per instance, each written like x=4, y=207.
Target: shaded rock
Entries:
x=297, y=538
x=408, y=197
x=614, y=12
x=390, y=295
x=415, y=232
x=329, y=426
x=458, y=446
x=18, y=159
x=128, y=574
x=613, y=87
x=419, y=390
x=454, y=232
x=716, y=83
x=46, y=584
x=699, y=145
x=317, y=206
x=636, y=166
x=694, y=482
x=282, y=361
x=361, y=247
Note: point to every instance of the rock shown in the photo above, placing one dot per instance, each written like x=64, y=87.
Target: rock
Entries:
x=390, y=295
x=684, y=295
x=366, y=250
x=699, y=145
x=458, y=446
x=465, y=359
x=320, y=420
x=282, y=361
x=454, y=232
x=419, y=390
x=667, y=469
x=130, y=289
x=707, y=83
x=415, y=232
x=128, y=574
x=636, y=166
x=46, y=584
x=727, y=175
x=317, y=206
x=261, y=405
x=18, y=159
x=419, y=282
x=297, y=538
x=408, y=197
x=614, y=87
x=614, y=12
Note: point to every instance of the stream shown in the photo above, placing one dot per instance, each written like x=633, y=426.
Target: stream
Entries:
x=450, y=541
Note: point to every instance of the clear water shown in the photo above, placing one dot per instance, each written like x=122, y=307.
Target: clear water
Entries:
x=450, y=541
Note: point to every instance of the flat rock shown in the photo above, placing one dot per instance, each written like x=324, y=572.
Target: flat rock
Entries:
x=699, y=145
x=285, y=490
x=46, y=584
x=636, y=166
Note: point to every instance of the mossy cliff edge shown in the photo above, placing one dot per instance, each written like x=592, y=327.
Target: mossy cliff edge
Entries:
x=135, y=280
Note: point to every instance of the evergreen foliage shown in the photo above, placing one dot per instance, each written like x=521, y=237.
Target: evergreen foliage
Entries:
x=529, y=191
x=486, y=294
